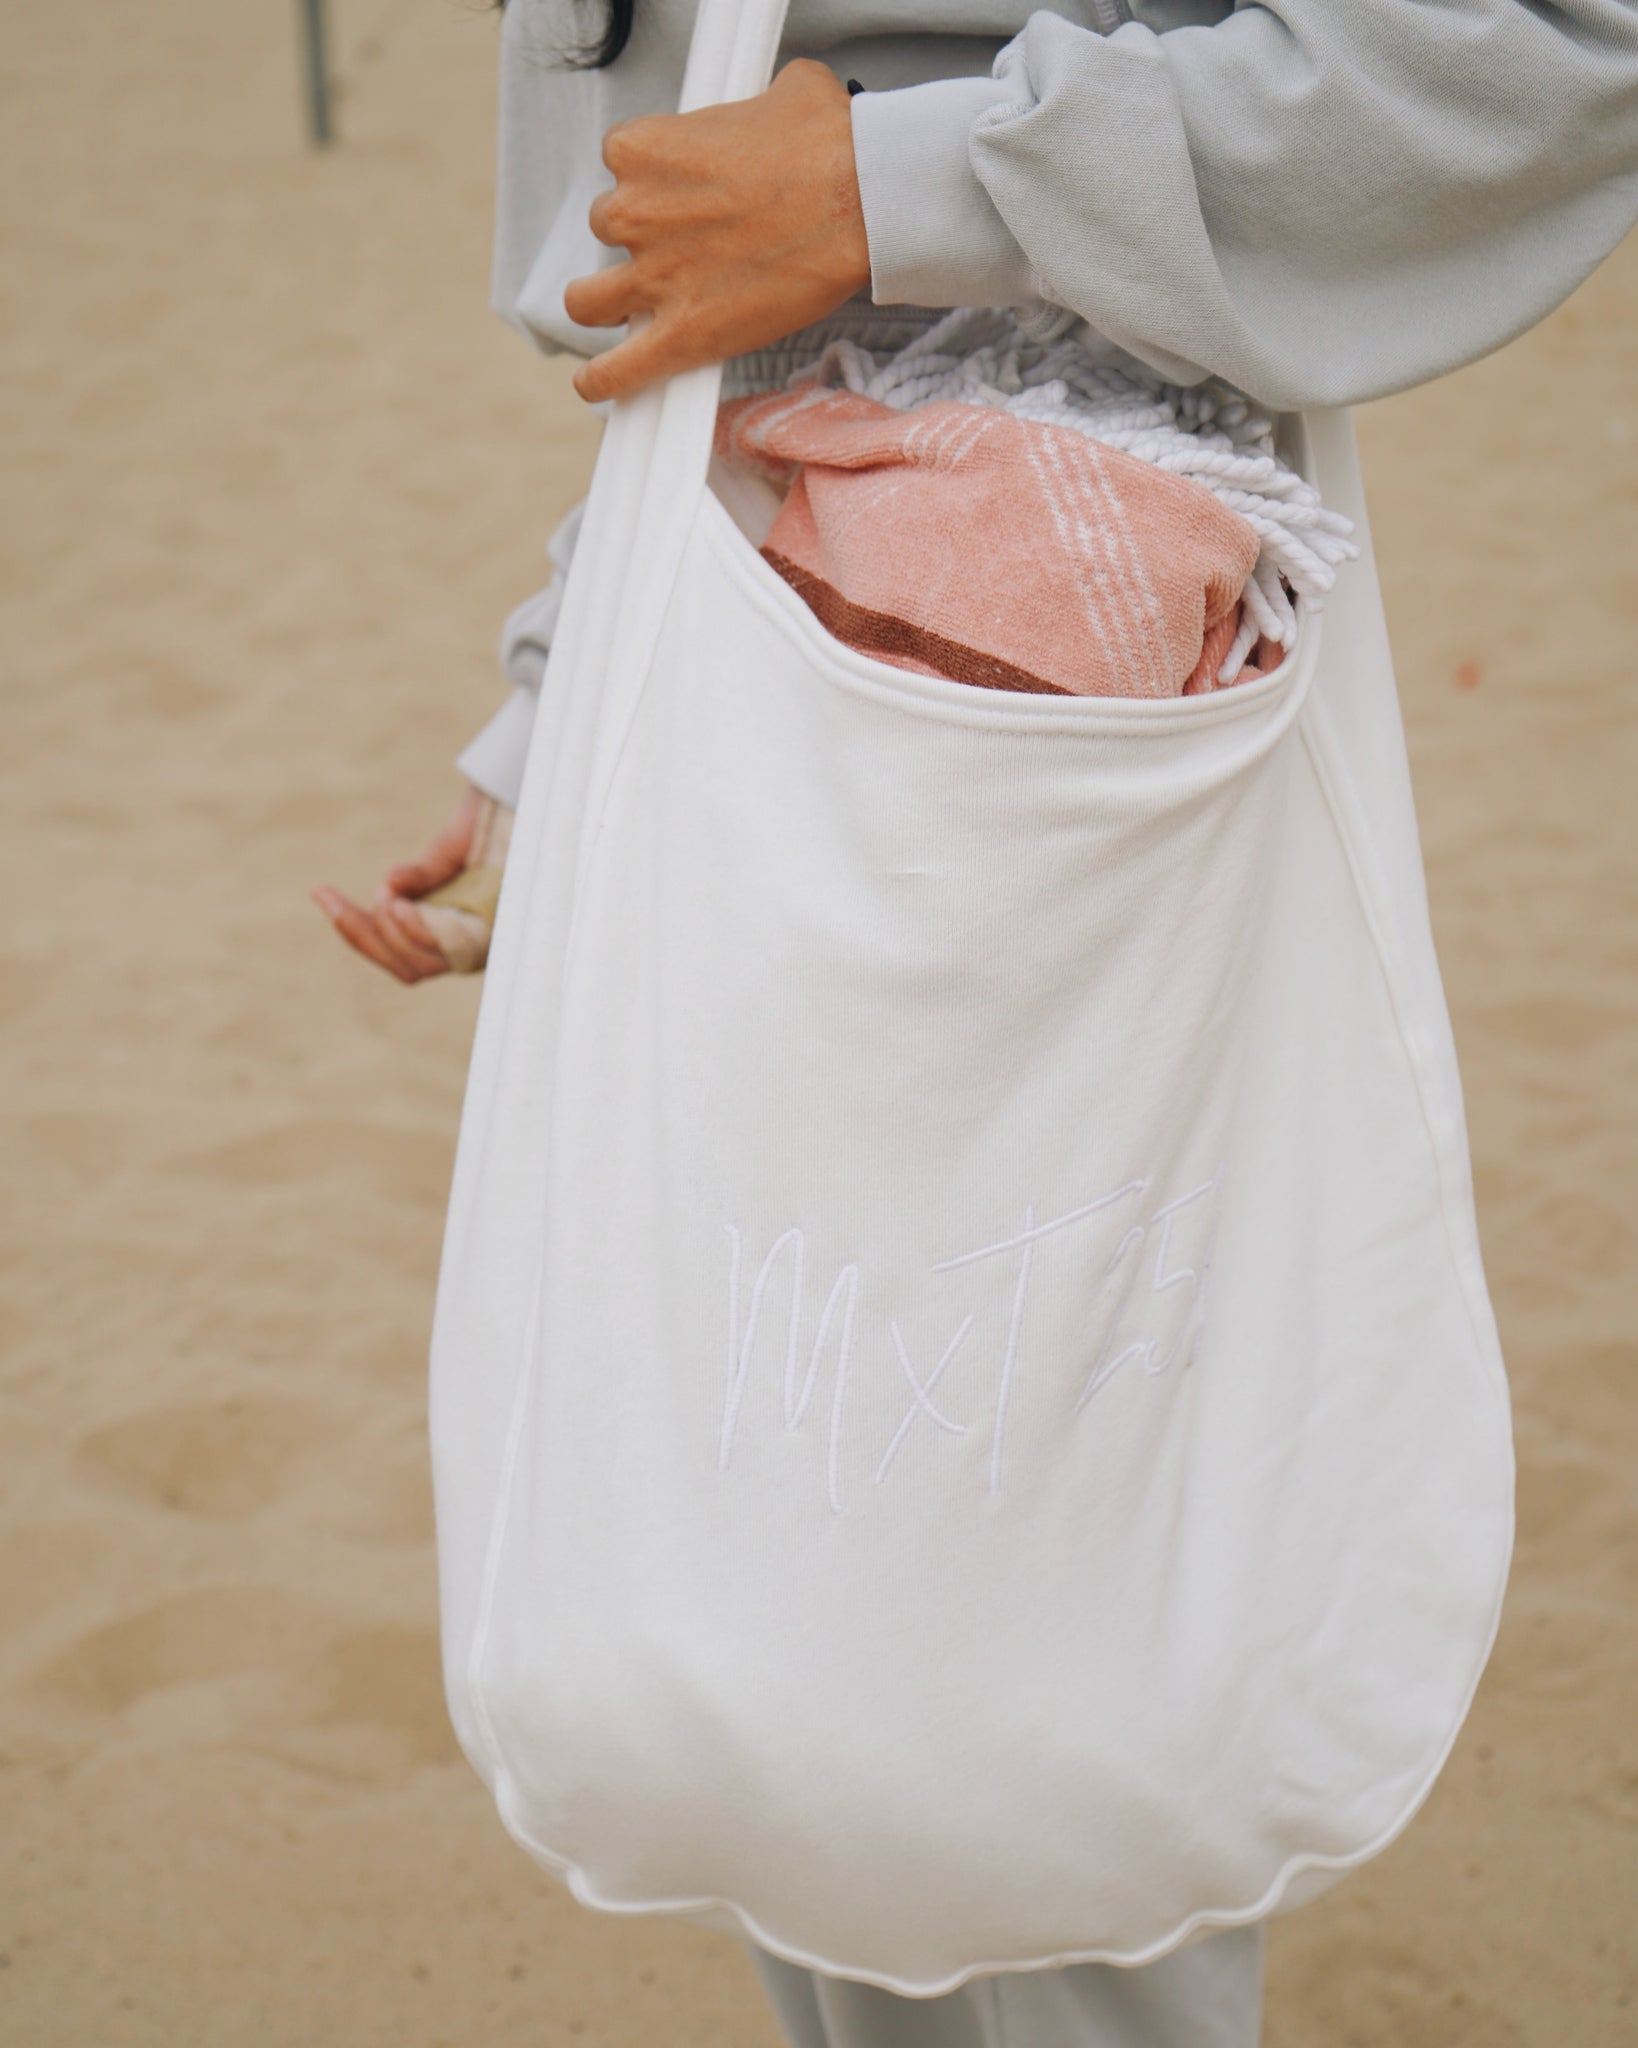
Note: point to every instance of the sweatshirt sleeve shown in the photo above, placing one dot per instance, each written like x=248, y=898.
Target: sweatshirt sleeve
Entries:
x=493, y=759
x=1322, y=203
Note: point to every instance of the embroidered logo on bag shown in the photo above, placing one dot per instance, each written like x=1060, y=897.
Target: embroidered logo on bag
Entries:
x=1146, y=1265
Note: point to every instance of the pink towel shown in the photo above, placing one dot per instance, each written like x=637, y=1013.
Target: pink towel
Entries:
x=959, y=540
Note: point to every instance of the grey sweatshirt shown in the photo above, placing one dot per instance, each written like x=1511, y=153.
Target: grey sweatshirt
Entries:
x=1320, y=200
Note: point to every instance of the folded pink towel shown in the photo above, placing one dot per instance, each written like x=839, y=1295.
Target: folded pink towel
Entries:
x=963, y=541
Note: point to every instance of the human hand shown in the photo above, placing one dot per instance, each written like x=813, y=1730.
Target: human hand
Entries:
x=391, y=931
x=741, y=223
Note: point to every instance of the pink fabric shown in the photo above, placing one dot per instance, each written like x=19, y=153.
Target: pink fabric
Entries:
x=959, y=540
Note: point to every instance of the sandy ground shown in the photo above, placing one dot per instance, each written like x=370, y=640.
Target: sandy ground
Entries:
x=273, y=476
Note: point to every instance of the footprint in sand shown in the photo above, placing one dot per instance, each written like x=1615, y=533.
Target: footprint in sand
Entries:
x=388, y=1500
x=221, y=1460
x=388, y=1680
x=209, y=1633
x=353, y=1703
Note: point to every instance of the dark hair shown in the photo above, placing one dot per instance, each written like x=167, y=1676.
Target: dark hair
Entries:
x=616, y=34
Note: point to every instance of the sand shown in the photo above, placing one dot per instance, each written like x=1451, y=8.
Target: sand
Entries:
x=273, y=476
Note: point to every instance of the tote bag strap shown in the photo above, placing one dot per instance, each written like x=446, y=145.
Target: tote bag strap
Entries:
x=651, y=470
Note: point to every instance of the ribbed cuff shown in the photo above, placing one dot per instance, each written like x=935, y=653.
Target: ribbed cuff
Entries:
x=493, y=761
x=935, y=236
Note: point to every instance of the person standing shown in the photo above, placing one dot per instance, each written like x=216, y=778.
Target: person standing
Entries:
x=1317, y=205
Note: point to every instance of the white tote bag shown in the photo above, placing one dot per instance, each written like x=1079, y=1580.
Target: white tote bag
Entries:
x=967, y=1425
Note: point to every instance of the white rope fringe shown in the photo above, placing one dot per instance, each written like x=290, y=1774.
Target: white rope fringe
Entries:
x=1061, y=374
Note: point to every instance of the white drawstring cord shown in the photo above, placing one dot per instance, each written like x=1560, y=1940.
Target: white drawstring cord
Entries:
x=1056, y=372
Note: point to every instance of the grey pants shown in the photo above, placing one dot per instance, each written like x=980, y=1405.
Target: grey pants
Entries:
x=1208, y=1995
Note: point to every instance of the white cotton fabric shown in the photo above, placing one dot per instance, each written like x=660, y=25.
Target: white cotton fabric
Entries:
x=967, y=1426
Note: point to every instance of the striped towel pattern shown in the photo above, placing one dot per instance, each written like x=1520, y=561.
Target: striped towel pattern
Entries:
x=964, y=541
